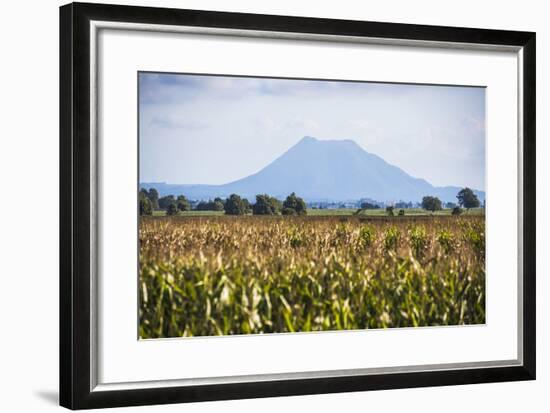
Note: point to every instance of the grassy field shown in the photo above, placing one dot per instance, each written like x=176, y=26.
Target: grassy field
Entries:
x=220, y=275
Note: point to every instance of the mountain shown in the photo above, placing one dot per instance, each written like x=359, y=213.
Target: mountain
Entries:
x=323, y=170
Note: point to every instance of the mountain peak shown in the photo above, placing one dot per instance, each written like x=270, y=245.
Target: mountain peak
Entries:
x=308, y=139
x=321, y=169
x=340, y=142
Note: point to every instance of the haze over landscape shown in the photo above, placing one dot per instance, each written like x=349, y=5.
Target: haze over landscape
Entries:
x=210, y=136
x=322, y=171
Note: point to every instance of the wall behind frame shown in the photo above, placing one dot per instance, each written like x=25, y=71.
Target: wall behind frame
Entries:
x=29, y=207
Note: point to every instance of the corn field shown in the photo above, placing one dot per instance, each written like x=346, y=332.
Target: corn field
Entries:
x=221, y=275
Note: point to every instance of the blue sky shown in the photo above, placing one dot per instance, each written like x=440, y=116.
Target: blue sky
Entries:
x=214, y=129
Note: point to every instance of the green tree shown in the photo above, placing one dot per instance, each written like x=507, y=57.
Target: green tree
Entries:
x=145, y=207
x=288, y=211
x=467, y=198
x=234, y=205
x=296, y=203
x=218, y=204
x=183, y=203
x=165, y=201
x=172, y=210
x=153, y=196
x=266, y=205
x=431, y=203
x=457, y=210
x=247, y=206
x=203, y=206
x=389, y=210
x=215, y=205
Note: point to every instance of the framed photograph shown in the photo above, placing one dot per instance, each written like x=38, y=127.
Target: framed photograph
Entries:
x=257, y=206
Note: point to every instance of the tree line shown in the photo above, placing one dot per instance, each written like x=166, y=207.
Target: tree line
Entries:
x=466, y=199
x=265, y=204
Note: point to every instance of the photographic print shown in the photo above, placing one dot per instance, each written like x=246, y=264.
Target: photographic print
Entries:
x=277, y=205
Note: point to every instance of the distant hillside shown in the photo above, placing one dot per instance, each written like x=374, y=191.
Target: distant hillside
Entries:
x=323, y=170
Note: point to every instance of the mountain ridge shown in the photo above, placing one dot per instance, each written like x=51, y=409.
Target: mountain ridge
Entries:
x=322, y=170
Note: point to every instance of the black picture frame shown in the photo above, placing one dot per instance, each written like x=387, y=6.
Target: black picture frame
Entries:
x=75, y=218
